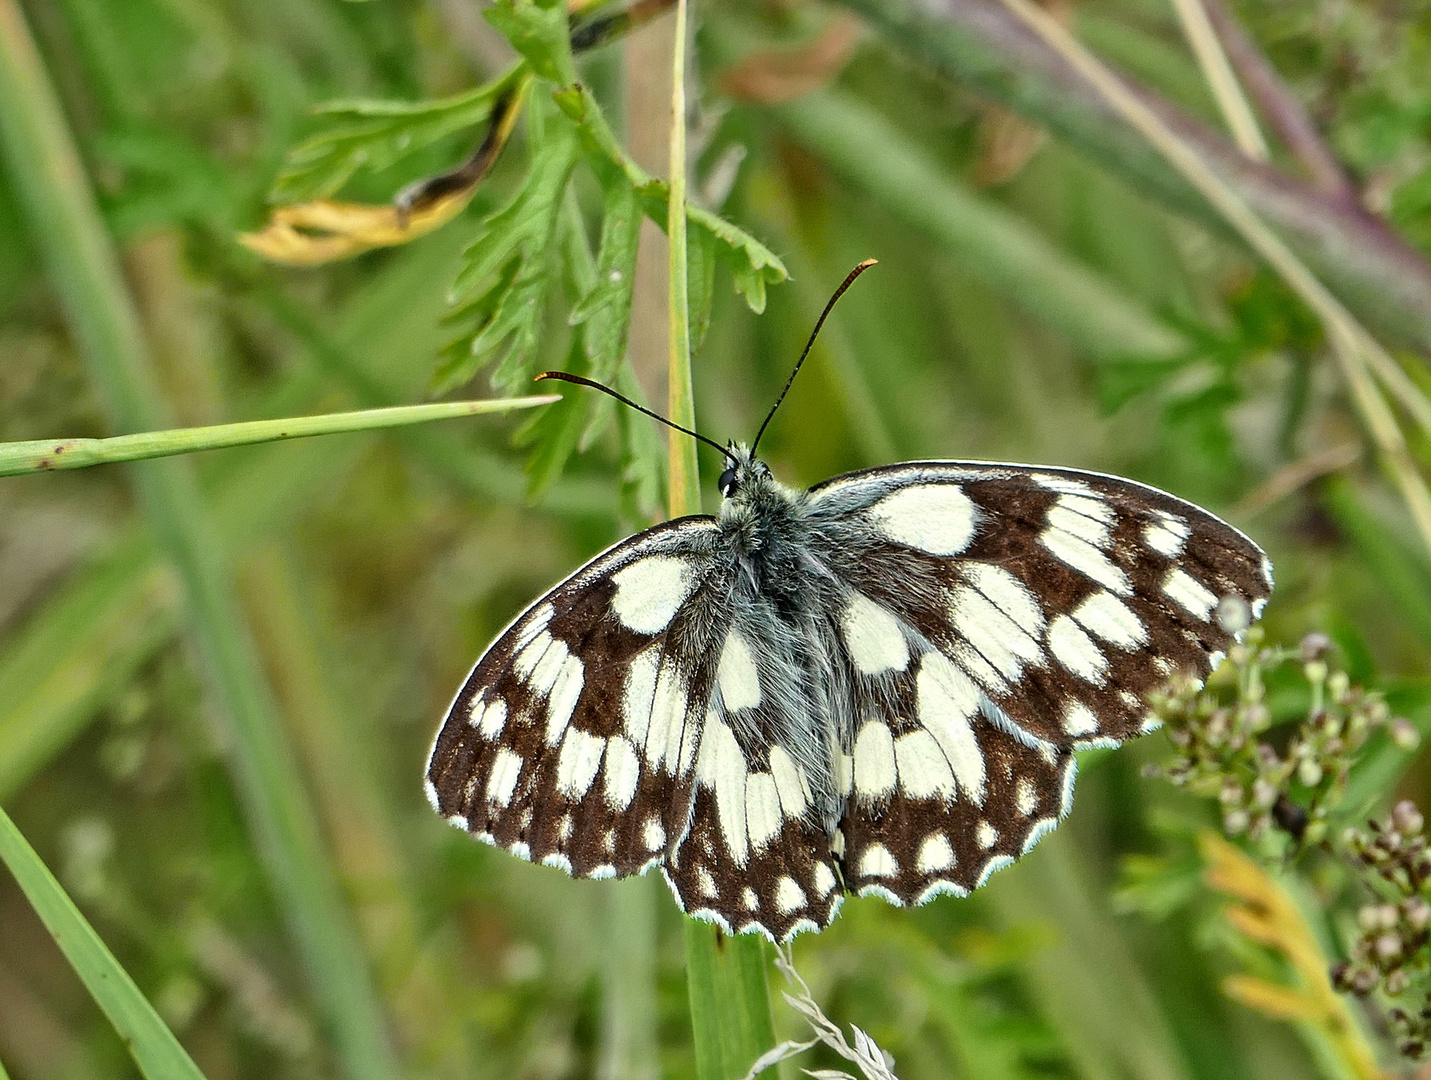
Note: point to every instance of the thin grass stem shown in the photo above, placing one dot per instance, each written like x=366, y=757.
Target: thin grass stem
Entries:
x=155, y=1049
x=46, y=455
x=1216, y=69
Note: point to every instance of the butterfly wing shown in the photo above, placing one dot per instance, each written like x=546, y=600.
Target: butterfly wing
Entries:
x=1066, y=597
x=757, y=857
x=573, y=742
x=996, y=619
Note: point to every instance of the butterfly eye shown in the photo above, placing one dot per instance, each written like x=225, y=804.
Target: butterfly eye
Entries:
x=726, y=483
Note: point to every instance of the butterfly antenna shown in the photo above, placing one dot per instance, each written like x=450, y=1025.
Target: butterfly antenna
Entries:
x=566, y=376
x=856, y=272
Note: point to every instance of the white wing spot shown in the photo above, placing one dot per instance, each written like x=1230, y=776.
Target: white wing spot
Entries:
x=788, y=896
x=947, y=702
x=1064, y=484
x=1084, y=518
x=874, y=761
x=650, y=591
x=1168, y=535
x=923, y=770
x=1025, y=797
x=935, y=854
x=937, y=518
x=986, y=836
x=878, y=862
x=1112, y=620
x=873, y=636
x=1074, y=551
x=557, y=861
x=544, y=676
x=1078, y=719
x=1076, y=651
x=737, y=675
x=721, y=767
x=1010, y=595
x=762, y=809
x=490, y=719
x=705, y=884
x=564, y=825
x=794, y=795
x=752, y=902
x=824, y=879
x=639, y=693
x=991, y=633
x=654, y=834
x=668, y=714
x=580, y=758
x=623, y=772
x=525, y=662
x=503, y=781
x=565, y=693
x=1189, y=594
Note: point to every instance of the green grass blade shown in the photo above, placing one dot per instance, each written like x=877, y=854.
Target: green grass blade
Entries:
x=1008, y=254
x=156, y=1051
x=82, y=265
x=727, y=979
x=48, y=454
x=725, y=976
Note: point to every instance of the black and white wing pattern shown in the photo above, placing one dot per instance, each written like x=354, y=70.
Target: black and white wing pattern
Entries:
x=877, y=686
x=996, y=619
x=573, y=742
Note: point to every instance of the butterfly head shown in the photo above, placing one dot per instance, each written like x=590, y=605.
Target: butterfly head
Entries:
x=743, y=471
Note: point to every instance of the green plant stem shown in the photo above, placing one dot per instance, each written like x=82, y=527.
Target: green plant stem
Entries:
x=46, y=455
x=82, y=265
x=726, y=977
x=685, y=494
x=155, y=1050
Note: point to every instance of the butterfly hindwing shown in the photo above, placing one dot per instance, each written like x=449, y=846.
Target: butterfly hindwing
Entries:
x=573, y=741
x=944, y=789
x=757, y=856
x=1066, y=597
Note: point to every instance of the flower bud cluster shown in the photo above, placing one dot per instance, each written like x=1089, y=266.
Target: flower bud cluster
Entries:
x=1221, y=752
x=1393, y=945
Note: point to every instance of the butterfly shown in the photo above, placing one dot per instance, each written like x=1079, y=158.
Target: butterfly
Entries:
x=876, y=686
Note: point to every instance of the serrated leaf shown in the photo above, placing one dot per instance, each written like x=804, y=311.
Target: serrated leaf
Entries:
x=501, y=290
x=540, y=33
x=375, y=135
x=752, y=264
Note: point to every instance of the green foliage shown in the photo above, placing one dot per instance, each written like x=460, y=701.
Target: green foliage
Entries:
x=1053, y=315
x=375, y=135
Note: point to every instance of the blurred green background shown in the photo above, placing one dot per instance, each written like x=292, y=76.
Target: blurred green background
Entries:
x=1051, y=298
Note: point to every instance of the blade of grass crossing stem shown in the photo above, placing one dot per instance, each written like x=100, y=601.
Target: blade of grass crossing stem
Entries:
x=83, y=268
x=725, y=976
x=156, y=1051
x=728, y=981
x=48, y=454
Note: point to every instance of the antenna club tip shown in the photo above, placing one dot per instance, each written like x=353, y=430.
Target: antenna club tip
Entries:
x=866, y=264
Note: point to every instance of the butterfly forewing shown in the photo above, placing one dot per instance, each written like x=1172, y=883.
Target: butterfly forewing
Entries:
x=1066, y=597
x=574, y=740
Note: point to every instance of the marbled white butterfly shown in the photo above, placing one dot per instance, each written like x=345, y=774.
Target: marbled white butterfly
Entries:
x=874, y=686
